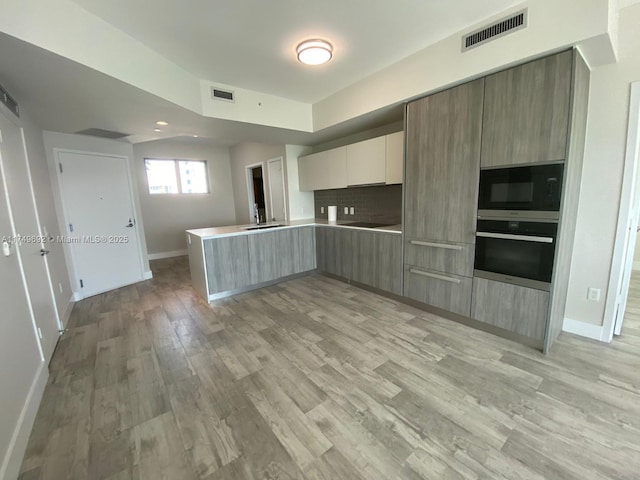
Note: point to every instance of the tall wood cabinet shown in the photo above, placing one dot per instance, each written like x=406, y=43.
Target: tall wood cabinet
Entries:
x=441, y=190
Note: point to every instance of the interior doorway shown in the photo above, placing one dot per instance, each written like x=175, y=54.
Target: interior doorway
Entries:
x=256, y=189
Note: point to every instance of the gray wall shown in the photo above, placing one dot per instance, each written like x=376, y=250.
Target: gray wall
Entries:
x=380, y=203
x=166, y=217
x=245, y=154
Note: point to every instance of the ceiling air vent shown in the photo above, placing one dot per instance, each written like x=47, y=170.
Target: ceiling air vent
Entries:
x=99, y=132
x=9, y=102
x=224, y=95
x=503, y=27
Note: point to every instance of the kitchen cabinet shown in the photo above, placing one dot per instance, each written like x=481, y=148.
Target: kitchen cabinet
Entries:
x=394, y=156
x=367, y=257
x=366, y=162
x=227, y=263
x=442, y=290
x=442, y=256
x=376, y=260
x=514, y=308
x=333, y=247
x=443, y=165
x=324, y=170
x=526, y=112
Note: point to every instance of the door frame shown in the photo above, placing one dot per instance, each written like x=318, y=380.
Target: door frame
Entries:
x=622, y=261
x=250, y=195
x=284, y=186
x=64, y=220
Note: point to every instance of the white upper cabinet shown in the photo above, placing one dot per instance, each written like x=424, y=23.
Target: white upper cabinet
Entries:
x=323, y=171
x=366, y=162
x=395, y=157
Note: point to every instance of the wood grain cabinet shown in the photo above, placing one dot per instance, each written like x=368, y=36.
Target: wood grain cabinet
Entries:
x=394, y=158
x=526, y=112
x=366, y=162
x=514, y=308
x=443, y=164
x=227, y=263
x=376, y=260
x=324, y=170
x=367, y=257
x=442, y=290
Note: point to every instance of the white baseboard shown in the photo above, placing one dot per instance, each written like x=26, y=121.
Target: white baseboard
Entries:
x=174, y=253
x=17, y=447
x=66, y=314
x=148, y=275
x=583, y=329
x=77, y=296
x=636, y=266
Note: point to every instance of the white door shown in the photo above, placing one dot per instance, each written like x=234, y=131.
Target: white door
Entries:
x=33, y=250
x=629, y=212
x=99, y=213
x=276, y=189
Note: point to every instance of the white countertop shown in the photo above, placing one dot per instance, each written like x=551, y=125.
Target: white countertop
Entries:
x=230, y=230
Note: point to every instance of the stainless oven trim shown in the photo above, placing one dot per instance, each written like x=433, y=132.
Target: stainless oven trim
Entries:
x=511, y=236
x=528, y=215
x=522, y=282
x=518, y=165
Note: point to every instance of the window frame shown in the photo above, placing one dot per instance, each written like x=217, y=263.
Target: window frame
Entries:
x=176, y=165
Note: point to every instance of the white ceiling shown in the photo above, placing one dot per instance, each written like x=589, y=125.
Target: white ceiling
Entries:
x=251, y=43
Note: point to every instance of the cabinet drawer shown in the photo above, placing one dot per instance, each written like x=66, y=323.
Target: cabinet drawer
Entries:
x=443, y=290
x=448, y=257
x=517, y=309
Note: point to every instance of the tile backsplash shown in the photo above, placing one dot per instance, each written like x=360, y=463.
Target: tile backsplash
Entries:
x=381, y=203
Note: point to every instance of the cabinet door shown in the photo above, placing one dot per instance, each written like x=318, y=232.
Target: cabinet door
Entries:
x=366, y=162
x=308, y=168
x=442, y=290
x=227, y=262
x=377, y=260
x=273, y=254
x=333, y=247
x=526, y=112
x=514, y=308
x=306, y=252
x=441, y=256
x=334, y=172
x=443, y=164
x=394, y=163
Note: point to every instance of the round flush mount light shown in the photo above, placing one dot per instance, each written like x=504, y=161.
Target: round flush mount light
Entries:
x=314, y=52
x=157, y=130
x=162, y=123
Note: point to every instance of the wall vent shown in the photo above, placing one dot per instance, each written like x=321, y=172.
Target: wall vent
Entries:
x=224, y=95
x=513, y=23
x=99, y=132
x=9, y=102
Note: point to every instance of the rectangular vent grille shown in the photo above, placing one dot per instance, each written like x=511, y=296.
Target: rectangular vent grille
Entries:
x=9, y=102
x=224, y=95
x=499, y=29
x=99, y=132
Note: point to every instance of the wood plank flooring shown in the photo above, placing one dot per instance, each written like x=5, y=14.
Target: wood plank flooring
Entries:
x=314, y=379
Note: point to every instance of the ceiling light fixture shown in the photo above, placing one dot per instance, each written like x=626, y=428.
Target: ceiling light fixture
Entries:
x=157, y=130
x=314, y=52
x=162, y=123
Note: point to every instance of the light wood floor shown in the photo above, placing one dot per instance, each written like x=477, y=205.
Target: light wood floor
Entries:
x=313, y=379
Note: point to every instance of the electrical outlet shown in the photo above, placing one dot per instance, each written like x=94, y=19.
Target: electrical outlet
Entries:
x=593, y=294
x=352, y=211
x=321, y=209
x=346, y=210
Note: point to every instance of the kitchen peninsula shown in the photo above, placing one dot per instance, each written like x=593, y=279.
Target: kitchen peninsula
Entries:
x=233, y=259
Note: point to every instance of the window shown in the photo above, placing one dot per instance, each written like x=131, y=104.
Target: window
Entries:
x=176, y=176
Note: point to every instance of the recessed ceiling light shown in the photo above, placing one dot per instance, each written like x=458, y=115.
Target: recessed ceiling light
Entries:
x=162, y=123
x=157, y=130
x=194, y=136
x=314, y=52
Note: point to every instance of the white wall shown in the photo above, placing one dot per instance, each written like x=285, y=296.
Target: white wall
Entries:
x=602, y=174
x=88, y=144
x=244, y=154
x=166, y=217
x=300, y=204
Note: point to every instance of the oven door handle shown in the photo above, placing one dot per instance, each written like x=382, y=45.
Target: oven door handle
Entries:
x=511, y=236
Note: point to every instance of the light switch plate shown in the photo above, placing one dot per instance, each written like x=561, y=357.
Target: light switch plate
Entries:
x=352, y=211
x=346, y=210
x=321, y=209
x=593, y=294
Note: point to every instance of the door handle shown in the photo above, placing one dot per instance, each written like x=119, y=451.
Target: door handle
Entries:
x=44, y=252
x=130, y=224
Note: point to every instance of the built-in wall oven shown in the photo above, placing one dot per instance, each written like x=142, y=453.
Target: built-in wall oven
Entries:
x=520, y=252
x=531, y=191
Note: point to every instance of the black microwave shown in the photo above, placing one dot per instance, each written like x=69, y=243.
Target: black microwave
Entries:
x=528, y=191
